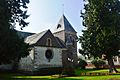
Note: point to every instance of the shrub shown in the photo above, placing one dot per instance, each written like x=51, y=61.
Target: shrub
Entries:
x=99, y=63
x=82, y=63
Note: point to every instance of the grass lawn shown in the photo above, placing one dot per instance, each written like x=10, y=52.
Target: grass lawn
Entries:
x=9, y=76
x=108, y=77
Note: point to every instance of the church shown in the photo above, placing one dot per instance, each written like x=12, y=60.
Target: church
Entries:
x=56, y=49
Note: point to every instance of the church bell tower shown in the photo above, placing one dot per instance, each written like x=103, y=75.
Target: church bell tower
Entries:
x=68, y=35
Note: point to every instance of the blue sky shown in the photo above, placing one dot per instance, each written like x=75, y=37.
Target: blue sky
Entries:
x=45, y=14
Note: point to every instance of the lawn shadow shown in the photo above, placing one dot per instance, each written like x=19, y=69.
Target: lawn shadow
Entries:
x=40, y=79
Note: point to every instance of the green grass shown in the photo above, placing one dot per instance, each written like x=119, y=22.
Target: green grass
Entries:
x=70, y=78
x=96, y=77
x=10, y=76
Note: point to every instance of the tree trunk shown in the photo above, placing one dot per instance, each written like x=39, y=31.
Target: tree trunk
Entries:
x=111, y=65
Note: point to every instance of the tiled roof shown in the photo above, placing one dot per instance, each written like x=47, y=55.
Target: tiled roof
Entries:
x=64, y=24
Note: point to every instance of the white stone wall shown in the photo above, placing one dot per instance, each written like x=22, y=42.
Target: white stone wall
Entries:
x=32, y=54
x=42, y=62
x=116, y=62
x=37, y=60
x=27, y=62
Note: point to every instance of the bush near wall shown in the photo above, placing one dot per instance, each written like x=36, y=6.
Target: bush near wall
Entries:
x=99, y=63
x=81, y=63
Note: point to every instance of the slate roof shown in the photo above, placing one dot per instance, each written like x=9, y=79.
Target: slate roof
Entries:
x=64, y=24
x=61, y=43
x=34, y=38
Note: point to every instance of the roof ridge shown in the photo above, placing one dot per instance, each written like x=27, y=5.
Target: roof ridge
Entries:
x=37, y=36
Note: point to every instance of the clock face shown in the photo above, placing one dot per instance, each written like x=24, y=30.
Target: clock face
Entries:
x=49, y=55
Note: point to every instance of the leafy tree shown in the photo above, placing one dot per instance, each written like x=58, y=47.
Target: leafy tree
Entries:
x=12, y=48
x=102, y=33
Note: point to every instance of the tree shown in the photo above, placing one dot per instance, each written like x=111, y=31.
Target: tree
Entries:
x=102, y=33
x=12, y=48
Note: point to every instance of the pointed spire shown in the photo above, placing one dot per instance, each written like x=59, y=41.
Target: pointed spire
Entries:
x=64, y=24
x=63, y=9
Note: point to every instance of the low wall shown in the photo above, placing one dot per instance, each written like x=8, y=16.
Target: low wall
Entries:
x=6, y=66
x=107, y=66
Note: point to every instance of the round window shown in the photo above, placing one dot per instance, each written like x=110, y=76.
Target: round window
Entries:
x=49, y=55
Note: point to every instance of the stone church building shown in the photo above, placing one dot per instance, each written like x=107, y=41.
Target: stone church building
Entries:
x=51, y=50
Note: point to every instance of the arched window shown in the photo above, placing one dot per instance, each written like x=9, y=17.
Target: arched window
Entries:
x=72, y=41
x=70, y=38
x=49, y=42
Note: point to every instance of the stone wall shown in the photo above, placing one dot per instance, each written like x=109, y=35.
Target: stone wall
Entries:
x=60, y=35
x=37, y=60
x=6, y=66
x=26, y=64
x=42, y=62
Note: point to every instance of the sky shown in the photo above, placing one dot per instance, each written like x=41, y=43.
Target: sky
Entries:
x=45, y=14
